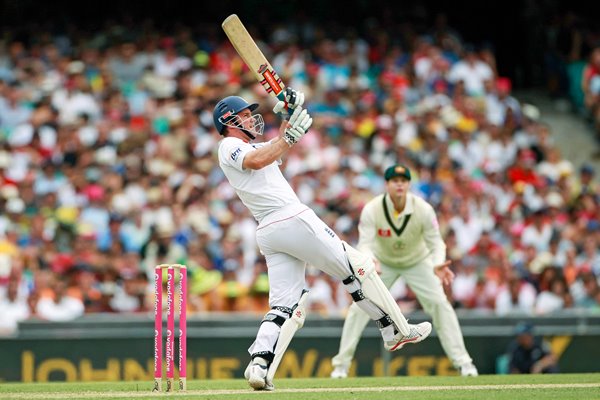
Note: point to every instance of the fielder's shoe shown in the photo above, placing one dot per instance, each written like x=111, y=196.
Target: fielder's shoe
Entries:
x=339, y=372
x=417, y=334
x=256, y=372
x=468, y=369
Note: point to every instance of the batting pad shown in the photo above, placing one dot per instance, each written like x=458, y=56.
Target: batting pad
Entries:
x=373, y=288
x=288, y=329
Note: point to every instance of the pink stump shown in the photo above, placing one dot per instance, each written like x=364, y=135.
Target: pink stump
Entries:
x=157, y=328
x=170, y=327
x=182, y=327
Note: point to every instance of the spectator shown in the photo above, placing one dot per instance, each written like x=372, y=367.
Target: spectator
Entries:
x=585, y=183
x=169, y=63
x=516, y=296
x=465, y=282
x=589, y=258
x=554, y=166
x=585, y=292
x=591, y=90
x=530, y=354
x=539, y=232
x=499, y=101
x=89, y=287
x=127, y=65
x=232, y=293
x=524, y=169
x=130, y=293
x=259, y=287
x=468, y=229
x=553, y=299
x=321, y=300
x=13, y=111
x=485, y=251
x=113, y=234
x=13, y=308
x=472, y=71
x=59, y=304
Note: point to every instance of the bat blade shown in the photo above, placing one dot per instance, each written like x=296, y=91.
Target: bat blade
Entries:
x=253, y=57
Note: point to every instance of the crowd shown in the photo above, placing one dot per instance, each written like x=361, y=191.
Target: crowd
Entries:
x=590, y=85
x=108, y=168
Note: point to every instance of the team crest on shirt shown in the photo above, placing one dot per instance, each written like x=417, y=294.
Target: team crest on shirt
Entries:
x=398, y=245
x=384, y=232
x=236, y=153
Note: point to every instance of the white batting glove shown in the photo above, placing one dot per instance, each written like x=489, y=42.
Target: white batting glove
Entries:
x=299, y=123
x=293, y=99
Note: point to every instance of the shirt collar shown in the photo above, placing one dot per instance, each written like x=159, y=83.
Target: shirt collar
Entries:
x=409, y=207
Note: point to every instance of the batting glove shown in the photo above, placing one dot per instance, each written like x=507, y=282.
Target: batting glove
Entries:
x=299, y=123
x=293, y=99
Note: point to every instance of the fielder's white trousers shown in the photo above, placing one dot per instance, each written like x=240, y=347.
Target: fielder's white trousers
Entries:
x=430, y=293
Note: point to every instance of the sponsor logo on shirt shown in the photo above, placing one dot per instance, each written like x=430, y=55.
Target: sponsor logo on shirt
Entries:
x=384, y=232
x=236, y=153
x=329, y=232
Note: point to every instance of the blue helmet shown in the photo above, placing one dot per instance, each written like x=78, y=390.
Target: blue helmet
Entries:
x=227, y=108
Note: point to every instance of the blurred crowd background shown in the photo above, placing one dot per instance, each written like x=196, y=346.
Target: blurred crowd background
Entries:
x=108, y=166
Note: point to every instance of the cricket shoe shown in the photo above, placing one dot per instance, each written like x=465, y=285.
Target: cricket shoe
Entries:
x=339, y=372
x=256, y=374
x=468, y=369
x=417, y=334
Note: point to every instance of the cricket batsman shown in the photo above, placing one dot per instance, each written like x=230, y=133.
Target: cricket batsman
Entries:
x=290, y=235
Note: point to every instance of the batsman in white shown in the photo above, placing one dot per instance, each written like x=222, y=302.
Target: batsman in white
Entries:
x=400, y=232
x=290, y=235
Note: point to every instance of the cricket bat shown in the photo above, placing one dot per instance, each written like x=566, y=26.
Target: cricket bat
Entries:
x=254, y=58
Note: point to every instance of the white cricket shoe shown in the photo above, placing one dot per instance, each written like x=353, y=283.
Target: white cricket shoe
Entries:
x=339, y=372
x=417, y=334
x=468, y=369
x=256, y=373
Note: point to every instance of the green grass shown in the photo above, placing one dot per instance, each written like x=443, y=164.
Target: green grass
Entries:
x=501, y=387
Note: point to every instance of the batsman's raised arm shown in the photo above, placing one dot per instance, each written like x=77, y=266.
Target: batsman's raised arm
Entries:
x=266, y=155
x=233, y=117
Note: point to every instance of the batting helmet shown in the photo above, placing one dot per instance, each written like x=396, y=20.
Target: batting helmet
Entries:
x=227, y=108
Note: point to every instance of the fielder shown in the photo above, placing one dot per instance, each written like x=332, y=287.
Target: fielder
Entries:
x=290, y=235
x=400, y=231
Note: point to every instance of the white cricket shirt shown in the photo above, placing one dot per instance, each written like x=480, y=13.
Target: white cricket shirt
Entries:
x=263, y=191
x=404, y=240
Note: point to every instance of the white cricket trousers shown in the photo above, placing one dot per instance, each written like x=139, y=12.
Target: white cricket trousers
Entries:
x=289, y=239
x=430, y=293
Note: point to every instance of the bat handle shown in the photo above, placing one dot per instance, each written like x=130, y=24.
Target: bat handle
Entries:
x=281, y=97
